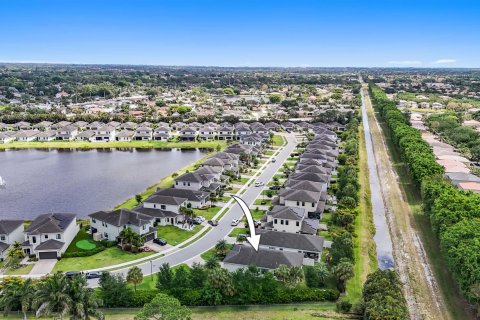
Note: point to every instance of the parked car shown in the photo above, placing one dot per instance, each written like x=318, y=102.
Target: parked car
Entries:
x=235, y=222
x=197, y=220
x=71, y=274
x=257, y=223
x=202, y=218
x=274, y=188
x=274, y=160
x=93, y=275
x=242, y=236
x=213, y=223
x=259, y=184
x=160, y=241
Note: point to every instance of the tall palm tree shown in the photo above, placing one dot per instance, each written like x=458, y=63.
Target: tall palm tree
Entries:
x=17, y=291
x=221, y=247
x=85, y=302
x=322, y=271
x=343, y=271
x=15, y=254
x=52, y=296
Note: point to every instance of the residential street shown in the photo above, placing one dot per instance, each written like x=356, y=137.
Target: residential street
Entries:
x=223, y=229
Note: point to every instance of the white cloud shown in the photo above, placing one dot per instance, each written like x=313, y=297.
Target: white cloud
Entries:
x=405, y=62
x=445, y=61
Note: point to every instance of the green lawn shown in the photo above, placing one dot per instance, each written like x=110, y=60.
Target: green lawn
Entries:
x=236, y=231
x=82, y=242
x=278, y=140
x=108, y=257
x=114, y=144
x=241, y=181
x=257, y=214
x=258, y=202
x=175, y=235
x=208, y=213
x=25, y=269
x=209, y=254
x=86, y=245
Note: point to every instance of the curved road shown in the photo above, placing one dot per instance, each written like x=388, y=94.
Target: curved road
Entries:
x=223, y=229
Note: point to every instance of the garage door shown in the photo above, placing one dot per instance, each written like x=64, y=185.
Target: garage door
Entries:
x=48, y=255
x=149, y=237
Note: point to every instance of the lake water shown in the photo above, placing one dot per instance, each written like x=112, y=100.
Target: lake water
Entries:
x=81, y=181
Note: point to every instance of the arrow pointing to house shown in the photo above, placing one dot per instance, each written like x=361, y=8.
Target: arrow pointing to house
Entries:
x=254, y=239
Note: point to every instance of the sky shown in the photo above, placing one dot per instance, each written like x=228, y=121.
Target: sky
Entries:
x=269, y=33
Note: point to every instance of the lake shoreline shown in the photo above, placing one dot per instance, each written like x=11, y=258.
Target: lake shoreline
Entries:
x=81, y=145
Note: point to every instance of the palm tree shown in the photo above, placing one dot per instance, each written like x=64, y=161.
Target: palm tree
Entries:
x=322, y=271
x=135, y=276
x=291, y=277
x=127, y=236
x=212, y=263
x=221, y=248
x=221, y=279
x=343, y=271
x=52, y=296
x=85, y=302
x=17, y=291
x=15, y=254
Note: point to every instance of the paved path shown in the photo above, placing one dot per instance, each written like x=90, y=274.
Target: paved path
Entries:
x=223, y=229
x=43, y=267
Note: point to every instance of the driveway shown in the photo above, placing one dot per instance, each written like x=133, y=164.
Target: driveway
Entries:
x=223, y=229
x=43, y=267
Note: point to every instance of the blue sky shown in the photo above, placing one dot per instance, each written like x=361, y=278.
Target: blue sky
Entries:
x=387, y=33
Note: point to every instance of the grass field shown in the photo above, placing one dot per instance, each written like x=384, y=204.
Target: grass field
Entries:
x=114, y=144
x=278, y=140
x=364, y=245
x=207, y=213
x=175, y=235
x=81, y=241
x=108, y=257
x=25, y=269
x=236, y=231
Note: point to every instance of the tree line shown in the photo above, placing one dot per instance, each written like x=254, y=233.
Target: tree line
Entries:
x=454, y=214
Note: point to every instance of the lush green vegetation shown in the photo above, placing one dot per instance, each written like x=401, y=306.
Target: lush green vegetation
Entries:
x=448, y=126
x=278, y=140
x=382, y=297
x=453, y=213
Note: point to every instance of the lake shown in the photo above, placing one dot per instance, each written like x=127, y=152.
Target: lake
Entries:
x=81, y=181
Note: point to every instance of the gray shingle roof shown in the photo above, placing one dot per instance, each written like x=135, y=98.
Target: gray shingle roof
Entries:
x=50, y=223
x=8, y=226
x=122, y=217
x=282, y=212
x=166, y=200
x=190, y=195
x=50, y=245
x=291, y=240
x=267, y=259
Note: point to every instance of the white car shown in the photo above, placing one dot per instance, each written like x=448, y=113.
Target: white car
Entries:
x=201, y=218
x=235, y=222
x=259, y=184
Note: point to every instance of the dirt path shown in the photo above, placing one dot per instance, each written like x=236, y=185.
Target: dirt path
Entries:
x=420, y=287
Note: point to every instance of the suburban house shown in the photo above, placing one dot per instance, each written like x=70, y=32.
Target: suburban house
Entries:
x=215, y=163
x=105, y=133
x=226, y=133
x=88, y=135
x=207, y=133
x=166, y=203
x=309, y=245
x=188, y=133
x=48, y=135
x=303, y=199
x=242, y=256
x=7, y=136
x=290, y=219
x=197, y=199
x=67, y=133
x=161, y=133
x=26, y=135
x=11, y=231
x=107, y=225
x=49, y=235
x=196, y=181
x=126, y=135
x=143, y=133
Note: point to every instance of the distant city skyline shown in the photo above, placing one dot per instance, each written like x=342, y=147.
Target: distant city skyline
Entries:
x=341, y=33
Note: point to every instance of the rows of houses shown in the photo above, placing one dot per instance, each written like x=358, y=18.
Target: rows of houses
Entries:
x=131, y=131
x=289, y=229
x=166, y=206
